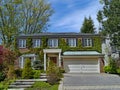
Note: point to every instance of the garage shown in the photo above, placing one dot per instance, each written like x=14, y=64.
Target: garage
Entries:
x=82, y=62
x=81, y=66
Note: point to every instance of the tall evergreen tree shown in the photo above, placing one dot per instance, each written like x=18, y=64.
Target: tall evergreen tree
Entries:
x=109, y=18
x=88, y=26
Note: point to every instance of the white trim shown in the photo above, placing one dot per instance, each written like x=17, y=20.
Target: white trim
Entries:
x=28, y=55
x=52, y=50
x=44, y=61
x=59, y=59
x=22, y=62
x=22, y=58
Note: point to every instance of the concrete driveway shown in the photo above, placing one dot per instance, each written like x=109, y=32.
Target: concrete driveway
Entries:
x=91, y=82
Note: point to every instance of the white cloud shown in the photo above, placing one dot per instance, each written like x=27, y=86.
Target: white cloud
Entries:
x=74, y=20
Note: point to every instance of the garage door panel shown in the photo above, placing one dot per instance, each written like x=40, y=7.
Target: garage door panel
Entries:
x=81, y=66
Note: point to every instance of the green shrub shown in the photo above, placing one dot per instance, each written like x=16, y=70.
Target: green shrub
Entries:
x=5, y=84
x=36, y=74
x=2, y=76
x=18, y=73
x=118, y=71
x=107, y=69
x=40, y=86
x=112, y=67
x=62, y=70
x=53, y=73
x=27, y=72
x=11, y=72
x=37, y=65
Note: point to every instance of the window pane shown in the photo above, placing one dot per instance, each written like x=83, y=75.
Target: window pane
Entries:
x=53, y=42
x=22, y=43
x=72, y=42
x=36, y=42
x=87, y=42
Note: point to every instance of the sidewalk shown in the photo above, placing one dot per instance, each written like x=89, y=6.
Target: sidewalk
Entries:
x=61, y=85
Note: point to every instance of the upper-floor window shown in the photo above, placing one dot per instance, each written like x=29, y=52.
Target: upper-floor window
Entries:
x=22, y=43
x=72, y=42
x=87, y=42
x=53, y=43
x=36, y=43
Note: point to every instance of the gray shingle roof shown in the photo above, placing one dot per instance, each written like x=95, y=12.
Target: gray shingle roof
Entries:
x=59, y=34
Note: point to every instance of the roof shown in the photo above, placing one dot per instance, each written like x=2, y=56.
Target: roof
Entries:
x=59, y=34
x=82, y=53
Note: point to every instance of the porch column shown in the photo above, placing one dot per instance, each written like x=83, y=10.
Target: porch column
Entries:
x=44, y=61
x=22, y=62
x=59, y=59
x=34, y=58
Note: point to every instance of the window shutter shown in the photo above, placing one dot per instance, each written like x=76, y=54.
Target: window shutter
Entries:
x=83, y=40
x=92, y=42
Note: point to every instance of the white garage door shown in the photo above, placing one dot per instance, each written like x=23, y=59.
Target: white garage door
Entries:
x=81, y=66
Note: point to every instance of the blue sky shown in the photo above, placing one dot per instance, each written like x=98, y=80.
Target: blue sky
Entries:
x=69, y=14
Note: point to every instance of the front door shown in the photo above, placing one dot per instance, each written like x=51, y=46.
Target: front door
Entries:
x=53, y=59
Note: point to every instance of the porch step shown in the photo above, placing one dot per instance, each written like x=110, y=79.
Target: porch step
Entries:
x=24, y=83
x=43, y=76
x=19, y=86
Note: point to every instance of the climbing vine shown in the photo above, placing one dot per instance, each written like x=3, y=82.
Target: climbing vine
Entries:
x=96, y=45
x=29, y=43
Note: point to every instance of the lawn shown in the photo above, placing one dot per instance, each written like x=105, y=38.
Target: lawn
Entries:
x=43, y=86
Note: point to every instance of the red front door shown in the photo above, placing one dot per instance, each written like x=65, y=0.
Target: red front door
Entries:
x=53, y=59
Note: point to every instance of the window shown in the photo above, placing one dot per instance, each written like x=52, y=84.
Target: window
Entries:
x=22, y=43
x=23, y=59
x=36, y=43
x=72, y=42
x=87, y=42
x=53, y=42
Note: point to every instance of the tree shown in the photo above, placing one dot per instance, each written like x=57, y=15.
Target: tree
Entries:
x=22, y=16
x=109, y=18
x=27, y=72
x=53, y=73
x=35, y=16
x=8, y=61
x=88, y=26
x=9, y=21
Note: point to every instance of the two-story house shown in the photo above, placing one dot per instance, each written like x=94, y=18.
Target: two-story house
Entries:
x=75, y=52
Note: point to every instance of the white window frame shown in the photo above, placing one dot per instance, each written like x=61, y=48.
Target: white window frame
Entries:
x=88, y=42
x=53, y=43
x=72, y=42
x=36, y=43
x=22, y=43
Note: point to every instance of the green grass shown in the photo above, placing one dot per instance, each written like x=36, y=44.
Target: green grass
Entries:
x=43, y=86
x=54, y=87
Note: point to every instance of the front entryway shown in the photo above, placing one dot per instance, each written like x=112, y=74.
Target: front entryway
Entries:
x=54, y=60
x=53, y=55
